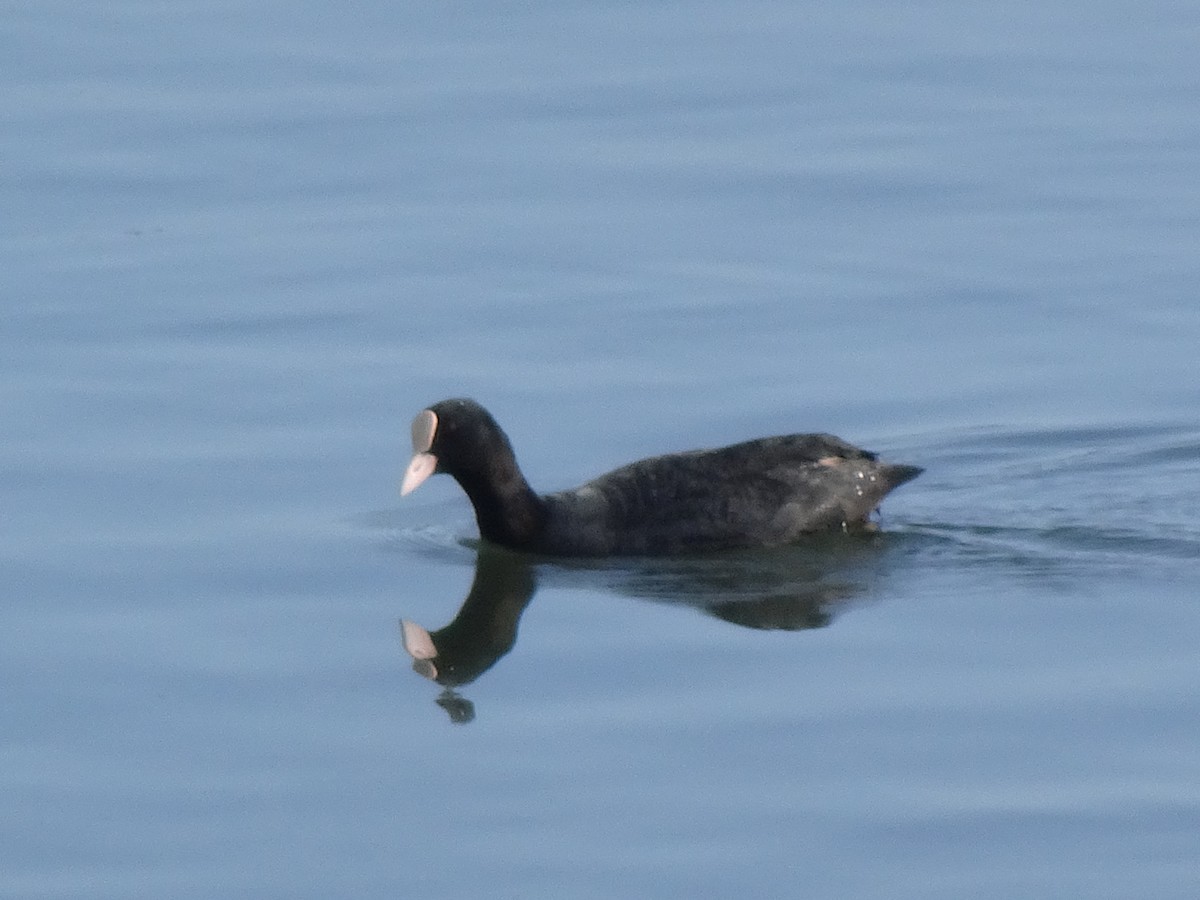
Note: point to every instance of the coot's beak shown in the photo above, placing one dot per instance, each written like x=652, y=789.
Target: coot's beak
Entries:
x=423, y=463
x=422, y=466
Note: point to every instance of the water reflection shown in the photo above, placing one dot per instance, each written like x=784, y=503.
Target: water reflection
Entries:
x=483, y=631
x=791, y=589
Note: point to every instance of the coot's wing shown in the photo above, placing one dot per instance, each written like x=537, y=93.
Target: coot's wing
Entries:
x=731, y=496
x=804, y=448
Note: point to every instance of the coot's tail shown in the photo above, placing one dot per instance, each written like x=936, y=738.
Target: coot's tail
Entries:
x=894, y=476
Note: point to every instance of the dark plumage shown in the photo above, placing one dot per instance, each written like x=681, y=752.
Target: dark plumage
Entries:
x=758, y=493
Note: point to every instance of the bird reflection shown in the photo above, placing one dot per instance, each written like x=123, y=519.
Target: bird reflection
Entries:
x=483, y=631
x=790, y=589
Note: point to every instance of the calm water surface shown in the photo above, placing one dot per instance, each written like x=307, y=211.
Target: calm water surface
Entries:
x=243, y=245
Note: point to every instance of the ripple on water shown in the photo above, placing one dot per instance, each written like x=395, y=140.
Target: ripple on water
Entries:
x=1060, y=499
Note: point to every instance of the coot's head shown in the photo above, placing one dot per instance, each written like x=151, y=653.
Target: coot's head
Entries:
x=458, y=437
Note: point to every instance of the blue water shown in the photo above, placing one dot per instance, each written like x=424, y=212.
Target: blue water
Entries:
x=242, y=245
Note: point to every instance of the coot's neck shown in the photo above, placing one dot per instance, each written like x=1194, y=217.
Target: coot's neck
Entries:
x=507, y=509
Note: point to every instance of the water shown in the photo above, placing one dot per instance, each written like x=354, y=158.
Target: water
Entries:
x=242, y=246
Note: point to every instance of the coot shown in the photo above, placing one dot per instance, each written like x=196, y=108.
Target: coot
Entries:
x=758, y=493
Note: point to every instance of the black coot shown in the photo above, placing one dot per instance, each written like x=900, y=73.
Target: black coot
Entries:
x=759, y=493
